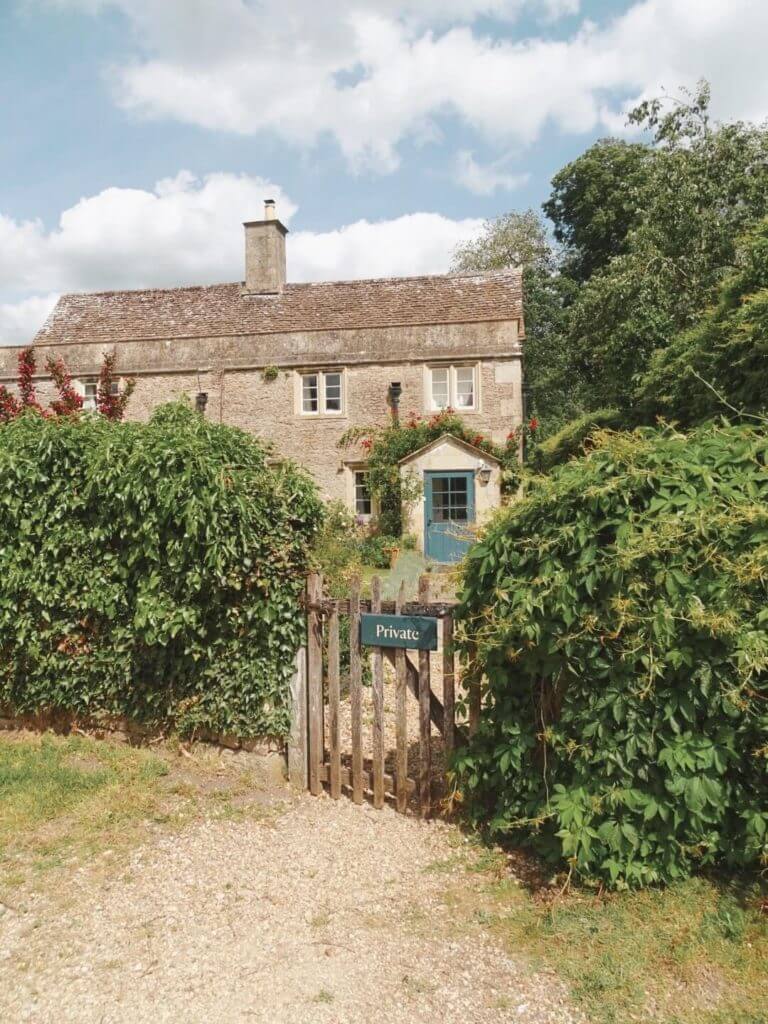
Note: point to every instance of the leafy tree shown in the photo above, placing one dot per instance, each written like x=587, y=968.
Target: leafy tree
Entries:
x=521, y=240
x=719, y=366
x=704, y=185
x=596, y=201
x=512, y=240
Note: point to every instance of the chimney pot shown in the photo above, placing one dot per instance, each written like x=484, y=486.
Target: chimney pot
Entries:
x=270, y=209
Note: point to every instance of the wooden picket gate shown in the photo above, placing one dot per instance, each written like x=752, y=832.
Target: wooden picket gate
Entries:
x=316, y=702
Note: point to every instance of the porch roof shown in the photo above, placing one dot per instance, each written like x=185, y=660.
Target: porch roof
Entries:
x=457, y=442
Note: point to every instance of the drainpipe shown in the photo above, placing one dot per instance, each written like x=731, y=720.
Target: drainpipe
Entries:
x=393, y=395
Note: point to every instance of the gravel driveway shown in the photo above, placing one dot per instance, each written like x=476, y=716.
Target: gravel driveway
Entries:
x=322, y=912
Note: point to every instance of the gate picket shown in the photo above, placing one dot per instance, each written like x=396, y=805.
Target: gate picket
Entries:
x=315, y=682
x=449, y=686
x=356, y=691
x=377, y=692
x=334, y=699
x=401, y=716
x=425, y=720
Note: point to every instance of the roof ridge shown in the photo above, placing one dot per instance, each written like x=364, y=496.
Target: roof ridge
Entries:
x=451, y=276
x=140, y=291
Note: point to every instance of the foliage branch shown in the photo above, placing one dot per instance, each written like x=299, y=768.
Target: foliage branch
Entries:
x=111, y=400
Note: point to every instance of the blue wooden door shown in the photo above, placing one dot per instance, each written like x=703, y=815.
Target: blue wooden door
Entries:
x=449, y=511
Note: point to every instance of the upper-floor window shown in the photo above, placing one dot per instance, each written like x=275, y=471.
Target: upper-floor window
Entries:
x=454, y=386
x=322, y=392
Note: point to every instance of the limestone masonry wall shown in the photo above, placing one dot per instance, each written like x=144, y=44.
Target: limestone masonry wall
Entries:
x=231, y=369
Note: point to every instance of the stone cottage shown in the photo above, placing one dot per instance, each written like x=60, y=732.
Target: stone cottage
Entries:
x=299, y=364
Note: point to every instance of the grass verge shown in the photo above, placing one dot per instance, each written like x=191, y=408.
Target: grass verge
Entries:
x=694, y=953
x=63, y=799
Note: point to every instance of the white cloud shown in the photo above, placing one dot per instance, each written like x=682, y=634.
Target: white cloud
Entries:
x=371, y=73
x=20, y=320
x=189, y=231
x=485, y=179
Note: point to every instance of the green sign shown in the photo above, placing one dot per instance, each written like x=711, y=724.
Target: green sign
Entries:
x=414, y=631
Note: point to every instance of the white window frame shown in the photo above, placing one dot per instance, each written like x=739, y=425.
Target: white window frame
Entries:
x=364, y=472
x=351, y=469
x=322, y=392
x=93, y=382
x=452, y=403
x=90, y=403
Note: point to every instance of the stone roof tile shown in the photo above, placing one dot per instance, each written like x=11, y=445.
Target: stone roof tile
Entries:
x=226, y=310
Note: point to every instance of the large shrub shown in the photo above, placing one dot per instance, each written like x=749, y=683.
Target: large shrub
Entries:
x=572, y=439
x=619, y=613
x=151, y=571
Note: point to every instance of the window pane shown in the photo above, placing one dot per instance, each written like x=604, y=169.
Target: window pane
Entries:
x=333, y=392
x=440, y=388
x=465, y=387
x=90, y=391
x=449, y=499
x=362, y=494
x=309, y=392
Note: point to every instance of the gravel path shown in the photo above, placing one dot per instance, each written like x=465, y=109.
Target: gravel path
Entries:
x=322, y=912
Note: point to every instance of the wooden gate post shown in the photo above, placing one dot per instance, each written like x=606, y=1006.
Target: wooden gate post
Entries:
x=315, y=682
x=377, y=695
x=356, y=691
x=401, y=716
x=425, y=721
x=298, y=754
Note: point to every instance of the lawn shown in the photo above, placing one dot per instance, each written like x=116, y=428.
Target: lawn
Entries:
x=694, y=953
x=63, y=799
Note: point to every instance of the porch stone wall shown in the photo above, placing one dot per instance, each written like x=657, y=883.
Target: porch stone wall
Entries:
x=449, y=456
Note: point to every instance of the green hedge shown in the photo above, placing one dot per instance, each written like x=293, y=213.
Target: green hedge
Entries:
x=620, y=615
x=151, y=571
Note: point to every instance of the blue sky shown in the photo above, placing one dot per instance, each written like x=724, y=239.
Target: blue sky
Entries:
x=138, y=134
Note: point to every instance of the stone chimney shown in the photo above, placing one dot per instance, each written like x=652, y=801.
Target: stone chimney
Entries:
x=265, y=253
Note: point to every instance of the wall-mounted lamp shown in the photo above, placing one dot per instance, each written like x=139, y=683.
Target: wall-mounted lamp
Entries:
x=484, y=475
x=201, y=400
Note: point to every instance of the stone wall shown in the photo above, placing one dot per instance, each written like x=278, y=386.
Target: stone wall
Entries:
x=231, y=371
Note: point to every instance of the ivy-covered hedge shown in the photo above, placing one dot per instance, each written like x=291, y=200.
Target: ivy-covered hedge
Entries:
x=620, y=613
x=150, y=571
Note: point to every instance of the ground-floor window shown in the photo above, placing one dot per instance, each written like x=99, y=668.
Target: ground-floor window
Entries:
x=91, y=393
x=363, y=504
